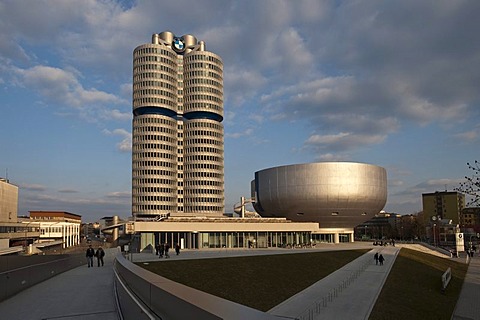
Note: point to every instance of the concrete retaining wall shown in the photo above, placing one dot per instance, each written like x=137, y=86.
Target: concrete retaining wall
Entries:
x=18, y=279
x=145, y=295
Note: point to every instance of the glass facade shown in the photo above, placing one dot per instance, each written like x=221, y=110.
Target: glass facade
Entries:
x=258, y=239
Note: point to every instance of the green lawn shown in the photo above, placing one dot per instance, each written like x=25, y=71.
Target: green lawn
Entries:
x=413, y=288
x=260, y=282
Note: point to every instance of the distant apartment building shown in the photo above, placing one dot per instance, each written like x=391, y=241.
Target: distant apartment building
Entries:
x=12, y=232
x=8, y=201
x=178, y=135
x=470, y=218
x=443, y=205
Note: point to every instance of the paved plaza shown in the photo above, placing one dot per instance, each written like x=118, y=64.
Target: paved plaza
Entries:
x=348, y=293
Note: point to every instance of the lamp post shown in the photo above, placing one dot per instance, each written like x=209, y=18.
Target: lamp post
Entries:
x=434, y=219
x=26, y=234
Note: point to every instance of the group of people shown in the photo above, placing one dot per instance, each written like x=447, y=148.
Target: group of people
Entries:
x=99, y=254
x=378, y=258
x=162, y=249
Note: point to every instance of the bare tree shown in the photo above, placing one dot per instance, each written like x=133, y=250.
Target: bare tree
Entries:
x=472, y=185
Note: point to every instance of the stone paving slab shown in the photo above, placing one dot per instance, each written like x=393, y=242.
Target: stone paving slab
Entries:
x=468, y=304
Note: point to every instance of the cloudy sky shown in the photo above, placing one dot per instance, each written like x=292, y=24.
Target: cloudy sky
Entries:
x=391, y=83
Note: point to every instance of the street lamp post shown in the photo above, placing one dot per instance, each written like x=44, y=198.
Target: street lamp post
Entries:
x=26, y=235
x=434, y=238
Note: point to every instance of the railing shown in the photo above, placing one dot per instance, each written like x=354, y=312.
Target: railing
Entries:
x=142, y=294
x=18, y=279
x=315, y=309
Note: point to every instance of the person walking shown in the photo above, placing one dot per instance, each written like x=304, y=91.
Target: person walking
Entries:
x=381, y=259
x=167, y=247
x=376, y=257
x=161, y=250
x=177, y=249
x=90, y=254
x=100, y=254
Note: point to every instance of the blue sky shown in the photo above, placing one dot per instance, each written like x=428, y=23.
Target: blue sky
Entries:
x=394, y=83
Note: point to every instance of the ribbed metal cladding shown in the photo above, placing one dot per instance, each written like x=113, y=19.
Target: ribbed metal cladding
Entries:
x=177, y=150
x=336, y=194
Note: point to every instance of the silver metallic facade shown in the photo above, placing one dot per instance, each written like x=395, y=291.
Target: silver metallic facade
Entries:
x=336, y=194
x=178, y=135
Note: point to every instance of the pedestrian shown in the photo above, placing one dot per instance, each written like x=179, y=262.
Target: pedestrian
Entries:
x=177, y=249
x=381, y=259
x=376, y=257
x=161, y=250
x=157, y=249
x=167, y=247
x=100, y=254
x=90, y=254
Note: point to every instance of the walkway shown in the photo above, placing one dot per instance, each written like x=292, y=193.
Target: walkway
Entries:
x=468, y=306
x=348, y=293
x=79, y=294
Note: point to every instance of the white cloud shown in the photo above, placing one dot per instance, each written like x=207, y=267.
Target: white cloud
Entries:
x=242, y=84
x=468, y=136
x=126, y=144
x=120, y=195
x=258, y=118
x=342, y=141
x=63, y=87
x=330, y=157
x=32, y=187
x=67, y=191
x=116, y=114
x=236, y=135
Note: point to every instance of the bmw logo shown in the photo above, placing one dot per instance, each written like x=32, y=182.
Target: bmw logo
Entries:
x=178, y=44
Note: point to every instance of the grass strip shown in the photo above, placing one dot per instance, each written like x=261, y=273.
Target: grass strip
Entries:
x=413, y=288
x=260, y=282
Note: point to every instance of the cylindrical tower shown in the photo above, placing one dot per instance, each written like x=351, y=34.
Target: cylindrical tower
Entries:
x=154, y=148
x=177, y=151
x=203, y=132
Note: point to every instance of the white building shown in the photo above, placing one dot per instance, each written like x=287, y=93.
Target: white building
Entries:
x=58, y=226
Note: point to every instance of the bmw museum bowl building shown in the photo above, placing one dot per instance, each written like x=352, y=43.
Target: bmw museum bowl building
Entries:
x=334, y=194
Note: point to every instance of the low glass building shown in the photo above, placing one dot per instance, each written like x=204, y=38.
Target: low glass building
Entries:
x=208, y=233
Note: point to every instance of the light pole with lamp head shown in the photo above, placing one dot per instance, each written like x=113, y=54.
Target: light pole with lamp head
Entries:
x=434, y=219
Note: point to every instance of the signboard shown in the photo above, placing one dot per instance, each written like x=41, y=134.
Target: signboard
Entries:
x=446, y=278
x=460, y=244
